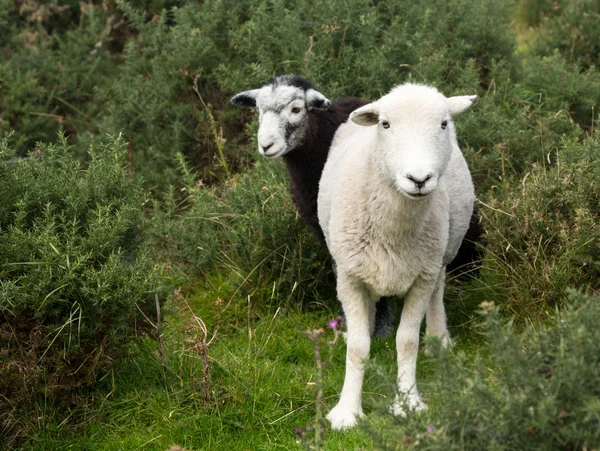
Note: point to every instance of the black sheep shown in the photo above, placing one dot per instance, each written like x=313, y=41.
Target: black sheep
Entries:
x=298, y=123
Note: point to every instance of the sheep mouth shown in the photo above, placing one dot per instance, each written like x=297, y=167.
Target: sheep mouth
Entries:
x=416, y=195
x=274, y=155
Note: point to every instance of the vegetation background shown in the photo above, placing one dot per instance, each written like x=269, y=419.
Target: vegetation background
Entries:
x=156, y=283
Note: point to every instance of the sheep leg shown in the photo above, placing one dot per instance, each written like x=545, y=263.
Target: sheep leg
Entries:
x=407, y=345
x=384, y=319
x=360, y=312
x=436, y=315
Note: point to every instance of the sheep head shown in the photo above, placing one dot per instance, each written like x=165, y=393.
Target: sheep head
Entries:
x=415, y=135
x=283, y=105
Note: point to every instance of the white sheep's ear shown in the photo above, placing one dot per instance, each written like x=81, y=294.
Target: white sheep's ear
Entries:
x=317, y=101
x=246, y=99
x=366, y=115
x=460, y=104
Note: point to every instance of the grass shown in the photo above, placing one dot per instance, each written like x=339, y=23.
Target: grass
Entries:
x=261, y=383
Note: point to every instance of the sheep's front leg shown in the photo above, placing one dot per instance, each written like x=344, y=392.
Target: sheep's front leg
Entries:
x=416, y=303
x=359, y=310
x=436, y=314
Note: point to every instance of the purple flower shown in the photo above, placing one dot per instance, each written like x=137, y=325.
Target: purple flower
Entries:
x=298, y=432
x=333, y=324
x=430, y=428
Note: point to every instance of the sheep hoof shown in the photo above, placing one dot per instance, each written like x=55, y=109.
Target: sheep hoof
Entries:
x=341, y=417
x=401, y=408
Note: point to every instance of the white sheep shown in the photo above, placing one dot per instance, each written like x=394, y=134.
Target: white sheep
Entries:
x=394, y=202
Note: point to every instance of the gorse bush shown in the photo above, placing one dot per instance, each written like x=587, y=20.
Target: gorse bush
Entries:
x=75, y=281
x=532, y=390
x=153, y=98
x=161, y=72
x=363, y=47
x=51, y=71
x=132, y=69
x=562, y=87
x=572, y=29
x=248, y=232
x=543, y=234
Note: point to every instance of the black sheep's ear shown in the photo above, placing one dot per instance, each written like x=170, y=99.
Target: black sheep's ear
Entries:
x=246, y=99
x=317, y=101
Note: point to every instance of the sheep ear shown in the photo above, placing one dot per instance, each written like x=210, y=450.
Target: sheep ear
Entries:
x=366, y=115
x=317, y=101
x=460, y=104
x=246, y=99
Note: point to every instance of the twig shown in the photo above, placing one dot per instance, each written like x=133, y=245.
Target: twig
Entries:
x=161, y=341
x=202, y=349
x=319, y=427
x=495, y=209
x=144, y=315
x=217, y=135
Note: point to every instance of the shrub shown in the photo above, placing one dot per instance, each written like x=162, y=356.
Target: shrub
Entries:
x=542, y=233
x=560, y=86
x=343, y=48
x=51, y=71
x=572, y=29
x=524, y=119
x=247, y=232
x=152, y=100
x=74, y=278
x=365, y=48
x=532, y=390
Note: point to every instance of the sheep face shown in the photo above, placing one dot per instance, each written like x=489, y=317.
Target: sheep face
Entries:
x=415, y=135
x=283, y=104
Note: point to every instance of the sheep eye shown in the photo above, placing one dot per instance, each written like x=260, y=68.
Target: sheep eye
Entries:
x=444, y=125
x=385, y=124
x=295, y=110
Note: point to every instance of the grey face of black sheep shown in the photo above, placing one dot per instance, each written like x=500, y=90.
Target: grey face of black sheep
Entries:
x=283, y=104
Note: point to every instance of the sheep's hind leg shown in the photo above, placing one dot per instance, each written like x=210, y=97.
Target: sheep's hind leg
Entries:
x=407, y=344
x=384, y=319
x=436, y=314
x=358, y=307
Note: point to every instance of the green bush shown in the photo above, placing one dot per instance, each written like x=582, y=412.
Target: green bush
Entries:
x=52, y=71
x=531, y=12
x=536, y=389
x=572, y=29
x=152, y=98
x=523, y=120
x=364, y=48
x=248, y=233
x=543, y=234
x=131, y=68
x=562, y=87
x=74, y=276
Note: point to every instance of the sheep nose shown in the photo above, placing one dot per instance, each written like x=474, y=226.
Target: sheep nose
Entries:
x=267, y=147
x=419, y=182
